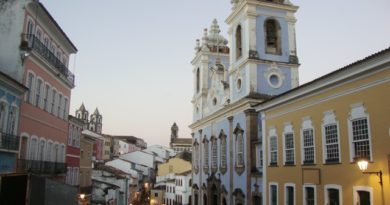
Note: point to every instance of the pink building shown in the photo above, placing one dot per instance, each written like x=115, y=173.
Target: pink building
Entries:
x=45, y=109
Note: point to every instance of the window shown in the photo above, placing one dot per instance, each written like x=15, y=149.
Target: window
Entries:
x=197, y=80
x=331, y=143
x=273, y=194
x=308, y=146
x=30, y=27
x=273, y=141
x=70, y=135
x=289, y=149
x=196, y=155
x=41, y=150
x=333, y=195
x=359, y=133
x=53, y=101
x=30, y=83
x=59, y=106
x=156, y=194
x=33, y=148
x=12, y=120
x=46, y=98
x=362, y=195
x=3, y=114
x=272, y=36
x=309, y=197
x=214, y=152
x=289, y=194
x=361, y=141
x=39, y=34
x=206, y=152
x=65, y=115
x=38, y=93
x=49, y=150
x=223, y=151
x=238, y=42
x=330, y=138
x=240, y=149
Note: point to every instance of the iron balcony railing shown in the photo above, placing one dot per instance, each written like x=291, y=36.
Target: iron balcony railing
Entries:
x=40, y=167
x=34, y=43
x=9, y=141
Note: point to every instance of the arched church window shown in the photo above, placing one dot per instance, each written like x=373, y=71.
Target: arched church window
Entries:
x=238, y=42
x=272, y=36
x=197, y=80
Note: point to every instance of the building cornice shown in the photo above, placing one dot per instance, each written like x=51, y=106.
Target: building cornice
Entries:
x=227, y=111
x=368, y=66
x=264, y=4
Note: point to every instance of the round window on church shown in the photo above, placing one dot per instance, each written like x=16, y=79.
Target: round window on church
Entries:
x=274, y=80
x=214, y=101
x=239, y=84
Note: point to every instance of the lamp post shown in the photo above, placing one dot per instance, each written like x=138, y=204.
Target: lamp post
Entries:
x=363, y=165
x=82, y=198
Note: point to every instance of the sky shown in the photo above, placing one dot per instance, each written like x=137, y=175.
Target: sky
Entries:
x=133, y=60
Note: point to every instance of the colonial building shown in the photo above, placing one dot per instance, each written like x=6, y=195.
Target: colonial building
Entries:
x=45, y=108
x=259, y=62
x=179, y=144
x=315, y=136
x=34, y=52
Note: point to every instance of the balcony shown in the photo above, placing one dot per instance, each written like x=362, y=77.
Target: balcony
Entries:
x=40, y=167
x=33, y=43
x=9, y=142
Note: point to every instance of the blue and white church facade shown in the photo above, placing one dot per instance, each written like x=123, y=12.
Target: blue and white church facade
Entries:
x=257, y=61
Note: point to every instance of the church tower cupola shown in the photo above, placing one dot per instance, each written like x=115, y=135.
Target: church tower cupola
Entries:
x=95, y=124
x=83, y=115
x=210, y=67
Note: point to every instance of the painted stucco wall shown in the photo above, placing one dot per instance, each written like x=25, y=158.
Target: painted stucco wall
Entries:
x=11, y=26
x=367, y=91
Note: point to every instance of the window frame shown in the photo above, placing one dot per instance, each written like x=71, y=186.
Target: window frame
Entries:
x=272, y=134
x=270, y=193
x=304, y=193
x=214, y=153
x=288, y=130
x=238, y=38
x=362, y=188
x=31, y=87
x=333, y=186
x=329, y=119
x=358, y=112
x=286, y=185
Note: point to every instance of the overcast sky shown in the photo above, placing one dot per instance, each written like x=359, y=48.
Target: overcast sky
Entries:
x=134, y=56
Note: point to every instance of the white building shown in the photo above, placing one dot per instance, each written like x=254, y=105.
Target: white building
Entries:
x=161, y=151
x=112, y=186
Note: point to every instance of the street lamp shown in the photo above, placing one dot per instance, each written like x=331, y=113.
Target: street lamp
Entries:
x=363, y=165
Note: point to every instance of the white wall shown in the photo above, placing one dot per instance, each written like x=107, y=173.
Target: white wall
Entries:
x=11, y=28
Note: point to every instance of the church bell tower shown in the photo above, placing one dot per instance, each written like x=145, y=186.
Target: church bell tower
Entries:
x=263, y=57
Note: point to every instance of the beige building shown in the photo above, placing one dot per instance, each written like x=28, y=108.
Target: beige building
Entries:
x=107, y=147
x=86, y=163
x=314, y=136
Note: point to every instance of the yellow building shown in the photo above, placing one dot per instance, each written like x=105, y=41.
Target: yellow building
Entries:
x=173, y=182
x=314, y=135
